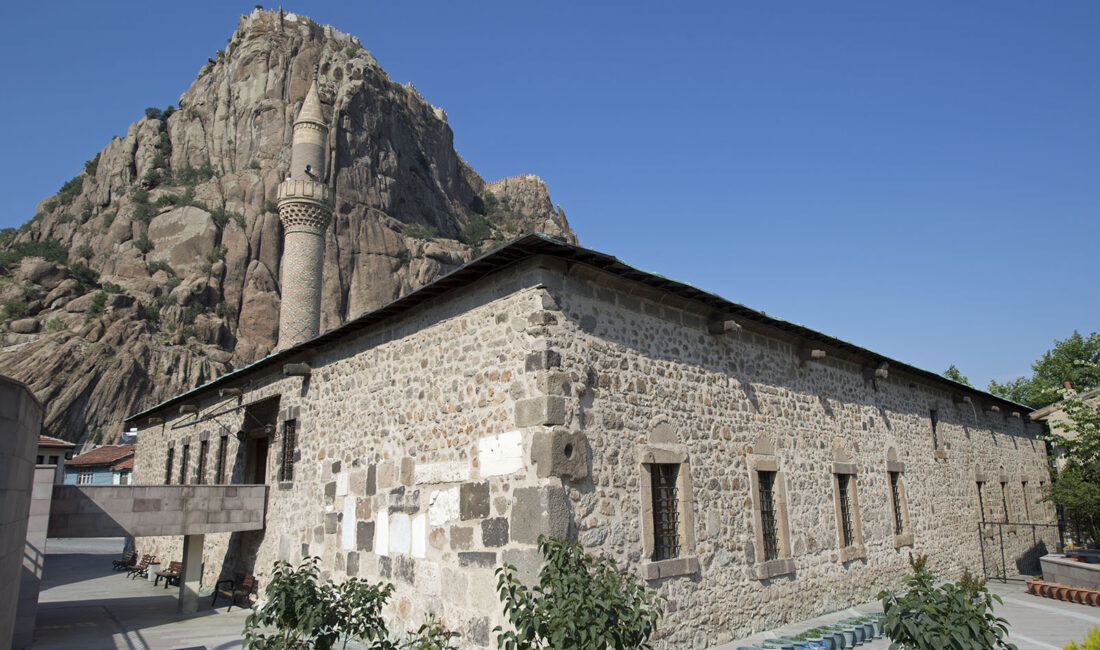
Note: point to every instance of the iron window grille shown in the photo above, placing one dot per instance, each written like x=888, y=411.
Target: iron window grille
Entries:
x=200, y=472
x=290, y=443
x=168, y=466
x=843, y=482
x=666, y=524
x=223, y=447
x=895, y=494
x=183, y=463
x=766, y=482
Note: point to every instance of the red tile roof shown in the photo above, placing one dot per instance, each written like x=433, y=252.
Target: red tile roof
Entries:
x=123, y=464
x=47, y=441
x=105, y=455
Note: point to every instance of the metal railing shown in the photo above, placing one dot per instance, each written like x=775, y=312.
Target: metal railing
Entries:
x=991, y=541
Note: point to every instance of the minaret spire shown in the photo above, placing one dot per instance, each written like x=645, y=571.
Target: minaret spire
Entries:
x=305, y=207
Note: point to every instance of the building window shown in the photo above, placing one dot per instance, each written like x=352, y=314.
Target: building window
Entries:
x=768, y=527
x=1027, y=506
x=168, y=466
x=666, y=535
x=183, y=463
x=124, y=477
x=84, y=477
x=290, y=445
x=846, y=535
x=934, y=418
x=53, y=460
x=223, y=448
x=846, y=500
x=1004, y=502
x=981, y=500
x=895, y=498
x=40, y=460
x=200, y=471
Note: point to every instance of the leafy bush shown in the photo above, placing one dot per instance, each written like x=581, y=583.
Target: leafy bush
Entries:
x=271, y=206
x=152, y=113
x=84, y=274
x=144, y=212
x=957, y=615
x=216, y=254
x=70, y=190
x=96, y=436
x=99, y=305
x=149, y=313
x=83, y=251
x=194, y=175
x=477, y=230
x=143, y=243
x=1092, y=641
x=225, y=310
x=14, y=309
x=420, y=231
x=579, y=602
x=152, y=267
x=254, y=164
x=86, y=211
x=188, y=331
x=111, y=287
x=50, y=250
x=108, y=219
x=432, y=636
x=92, y=166
x=55, y=324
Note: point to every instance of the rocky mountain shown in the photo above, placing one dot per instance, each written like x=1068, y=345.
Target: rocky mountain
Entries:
x=157, y=268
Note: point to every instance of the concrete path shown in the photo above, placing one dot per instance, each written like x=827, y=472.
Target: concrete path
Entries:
x=83, y=604
x=1034, y=623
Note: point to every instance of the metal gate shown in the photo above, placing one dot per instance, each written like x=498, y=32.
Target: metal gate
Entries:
x=1011, y=550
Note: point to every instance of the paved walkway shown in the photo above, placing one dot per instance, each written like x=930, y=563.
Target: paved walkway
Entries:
x=83, y=604
x=1034, y=623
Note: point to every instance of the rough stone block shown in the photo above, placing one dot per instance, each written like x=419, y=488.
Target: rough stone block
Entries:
x=554, y=383
x=442, y=472
x=443, y=506
x=543, y=360
x=353, y=564
x=364, y=535
x=494, y=532
x=385, y=567
x=400, y=533
x=477, y=559
x=540, y=511
x=474, y=500
x=528, y=563
x=544, y=410
x=405, y=569
x=408, y=467
x=462, y=537
x=500, y=454
x=330, y=490
x=331, y=522
x=560, y=453
x=419, y=536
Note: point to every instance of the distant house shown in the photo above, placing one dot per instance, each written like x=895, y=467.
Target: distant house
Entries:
x=1055, y=417
x=107, y=465
x=54, y=451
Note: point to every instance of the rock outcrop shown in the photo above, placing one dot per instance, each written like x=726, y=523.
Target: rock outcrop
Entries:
x=158, y=267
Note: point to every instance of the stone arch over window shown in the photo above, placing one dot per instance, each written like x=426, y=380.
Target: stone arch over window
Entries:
x=846, y=502
x=899, y=503
x=668, y=505
x=770, y=550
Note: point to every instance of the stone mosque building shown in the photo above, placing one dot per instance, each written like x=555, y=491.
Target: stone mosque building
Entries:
x=752, y=470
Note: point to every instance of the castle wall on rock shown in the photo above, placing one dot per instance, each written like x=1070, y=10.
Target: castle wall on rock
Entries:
x=439, y=443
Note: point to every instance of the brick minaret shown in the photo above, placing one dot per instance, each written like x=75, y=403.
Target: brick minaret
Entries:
x=305, y=206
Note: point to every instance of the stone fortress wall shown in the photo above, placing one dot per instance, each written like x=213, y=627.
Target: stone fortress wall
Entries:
x=439, y=444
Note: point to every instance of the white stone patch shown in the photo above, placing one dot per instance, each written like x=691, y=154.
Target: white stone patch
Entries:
x=347, y=533
x=500, y=454
x=382, y=534
x=342, y=480
x=443, y=506
x=419, y=540
x=400, y=541
x=443, y=472
x=427, y=578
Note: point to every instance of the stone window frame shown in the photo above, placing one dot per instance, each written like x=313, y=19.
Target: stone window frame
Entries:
x=223, y=452
x=906, y=536
x=856, y=550
x=169, y=464
x=201, y=460
x=290, y=416
x=1008, y=509
x=784, y=564
x=687, y=562
x=185, y=460
x=1027, y=505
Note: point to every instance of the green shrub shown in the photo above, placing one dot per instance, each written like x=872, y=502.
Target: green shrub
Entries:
x=254, y=164
x=271, y=207
x=957, y=615
x=48, y=249
x=84, y=274
x=152, y=113
x=96, y=436
x=143, y=243
x=477, y=230
x=14, y=309
x=141, y=196
x=221, y=216
x=194, y=175
x=579, y=602
x=108, y=219
x=432, y=636
x=64, y=217
x=70, y=190
x=152, y=267
x=86, y=211
x=7, y=235
x=215, y=254
x=92, y=166
x=189, y=331
x=420, y=231
x=1091, y=642
x=144, y=212
x=111, y=287
x=149, y=313
x=99, y=305
x=225, y=310
x=55, y=324
x=167, y=113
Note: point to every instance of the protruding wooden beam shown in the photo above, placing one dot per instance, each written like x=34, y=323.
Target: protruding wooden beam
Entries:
x=297, y=370
x=719, y=327
x=805, y=354
x=990, y=409
x=1016, y=414
x=881, y=371
x=155, y=420
x=230, y=392
x=188, y=408
x=960, y=399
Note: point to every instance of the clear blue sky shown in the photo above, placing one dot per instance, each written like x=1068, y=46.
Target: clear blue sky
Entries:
x=919, y=178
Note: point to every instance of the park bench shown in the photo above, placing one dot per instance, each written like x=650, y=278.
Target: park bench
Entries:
x=171, y=574
x=141, y=568
x=126, y=561
x=235, y=590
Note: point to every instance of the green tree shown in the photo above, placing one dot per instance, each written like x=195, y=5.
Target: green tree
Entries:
x=579, y=602
x=1076, y=360
x=953, y=374
x=1076, y=486
x=957, y=615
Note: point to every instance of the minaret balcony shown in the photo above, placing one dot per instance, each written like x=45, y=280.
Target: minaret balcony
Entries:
x=304, y=191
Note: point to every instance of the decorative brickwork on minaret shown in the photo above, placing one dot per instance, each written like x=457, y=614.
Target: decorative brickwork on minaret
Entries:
x=305, y=206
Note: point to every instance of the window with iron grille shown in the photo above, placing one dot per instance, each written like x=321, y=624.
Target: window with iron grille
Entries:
x=1027, y=506
x=183, y=463
x=290, y=443
x=933, y=416
x=1004, y=500
x=843, y=483
x=168, y=466
x=895, y=494
x=200, y=471
x=223, y=447
x=766, y=485
x=666, y=524
x=981, y=500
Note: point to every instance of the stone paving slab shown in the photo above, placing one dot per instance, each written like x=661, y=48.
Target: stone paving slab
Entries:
x=1034, y=623
x=83, y=604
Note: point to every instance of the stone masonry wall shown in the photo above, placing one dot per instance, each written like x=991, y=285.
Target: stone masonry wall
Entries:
x=634, y=361
x=411, y=467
